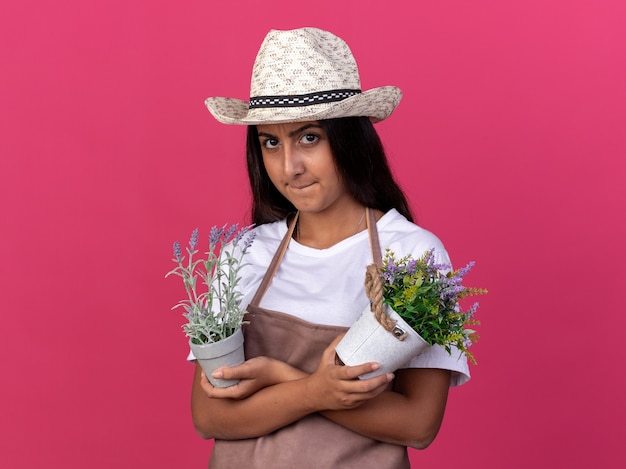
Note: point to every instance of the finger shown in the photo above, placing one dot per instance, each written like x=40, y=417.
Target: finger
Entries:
x=231, y=392
x=368, y=384
x=206, y=386
x=368, y=388
x=359, y=392
x=378, y=381
x=219, y=373
x=231, y=372
x=353, y=372
x=213, y=391
x=370, y=394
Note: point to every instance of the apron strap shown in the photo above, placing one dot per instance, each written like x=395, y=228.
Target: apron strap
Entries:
x=273, y=267
x=374, y=242
x=282, y=248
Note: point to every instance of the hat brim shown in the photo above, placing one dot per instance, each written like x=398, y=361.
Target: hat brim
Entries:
x=377, y=104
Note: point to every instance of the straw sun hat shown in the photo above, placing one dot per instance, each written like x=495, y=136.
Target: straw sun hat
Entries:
x=301, y=75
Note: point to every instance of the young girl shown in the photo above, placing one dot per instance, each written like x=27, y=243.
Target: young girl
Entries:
x=324, y=204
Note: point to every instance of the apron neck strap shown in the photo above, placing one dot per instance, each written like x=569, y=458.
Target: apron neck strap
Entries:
x=374, y=242
x=273, y=267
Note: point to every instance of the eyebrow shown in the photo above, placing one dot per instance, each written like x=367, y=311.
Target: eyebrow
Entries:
x=293, y=133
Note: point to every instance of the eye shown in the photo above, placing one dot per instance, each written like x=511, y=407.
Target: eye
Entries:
x=309, y=139
x=270, y=143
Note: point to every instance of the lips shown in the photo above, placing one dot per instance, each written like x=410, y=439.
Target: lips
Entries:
x=300, y=186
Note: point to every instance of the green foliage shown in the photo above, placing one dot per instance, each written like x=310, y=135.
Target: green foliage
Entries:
x=426, y=295
x=215, y=313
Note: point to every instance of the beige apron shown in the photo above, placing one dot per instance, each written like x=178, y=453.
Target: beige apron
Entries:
x=313, y=441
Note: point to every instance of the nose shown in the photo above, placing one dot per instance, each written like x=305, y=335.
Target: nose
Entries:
x=292, y=161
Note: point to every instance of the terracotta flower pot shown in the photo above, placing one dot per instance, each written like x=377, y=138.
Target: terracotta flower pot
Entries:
x=226, y=352
x=368, y=341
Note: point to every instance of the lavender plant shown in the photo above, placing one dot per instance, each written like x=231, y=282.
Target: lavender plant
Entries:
x=428, y=299
x=215, y=313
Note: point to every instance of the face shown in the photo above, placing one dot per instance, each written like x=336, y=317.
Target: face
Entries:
x=299, y=162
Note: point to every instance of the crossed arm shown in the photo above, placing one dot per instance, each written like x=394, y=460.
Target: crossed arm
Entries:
x=272, y=394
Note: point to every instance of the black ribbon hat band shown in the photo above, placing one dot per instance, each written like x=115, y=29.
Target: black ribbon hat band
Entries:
x=318, y=97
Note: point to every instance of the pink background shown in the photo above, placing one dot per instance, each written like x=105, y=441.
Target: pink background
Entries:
x=510, y=142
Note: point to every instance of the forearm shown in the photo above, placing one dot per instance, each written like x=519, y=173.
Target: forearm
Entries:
x=272, y=394
x=386, y=418
x=394, y=417
x=263, y=412
x=410, y=415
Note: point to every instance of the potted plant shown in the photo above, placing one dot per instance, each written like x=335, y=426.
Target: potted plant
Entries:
x=414, y=305
x=214, y=315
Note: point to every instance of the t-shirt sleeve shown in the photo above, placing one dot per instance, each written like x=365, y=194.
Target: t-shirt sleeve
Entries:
x=437, y=357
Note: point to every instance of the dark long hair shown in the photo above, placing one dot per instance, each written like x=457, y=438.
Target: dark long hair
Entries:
x=360, y=160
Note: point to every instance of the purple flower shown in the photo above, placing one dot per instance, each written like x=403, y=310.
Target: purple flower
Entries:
x=444, y=267
x=463, y=272
x=429, y=258
x=410, y=267
x=432, y=266
x=193, y=242
x=229, y=232
x=392, y=269
x=388, y=277
x=240, y=234
x=248, y=241
x=467, y=342
x=472, y=310
x=177, y=252
x=452, y=280
x=214, y=236
x=451, y=292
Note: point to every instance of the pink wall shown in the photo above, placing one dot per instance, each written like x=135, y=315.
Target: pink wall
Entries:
x=510, y=141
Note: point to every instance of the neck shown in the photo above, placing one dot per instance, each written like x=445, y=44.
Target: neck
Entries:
x=323, y=230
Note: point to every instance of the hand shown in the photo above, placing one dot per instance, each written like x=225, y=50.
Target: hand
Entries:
x=334, y=387
x=255, y=374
